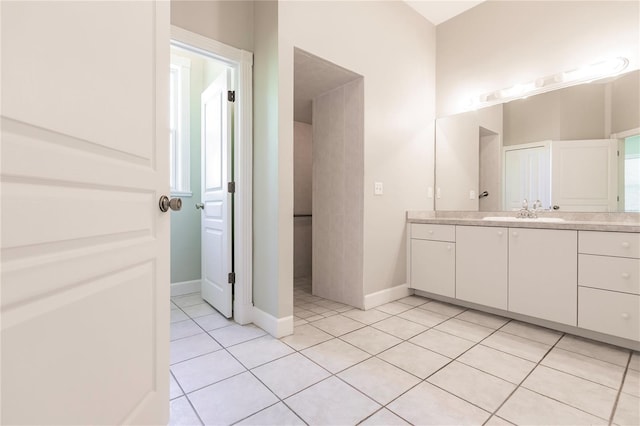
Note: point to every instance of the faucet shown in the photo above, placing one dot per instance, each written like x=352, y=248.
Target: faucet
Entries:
x=525, y=213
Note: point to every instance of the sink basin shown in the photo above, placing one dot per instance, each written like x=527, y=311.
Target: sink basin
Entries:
x=515, y=219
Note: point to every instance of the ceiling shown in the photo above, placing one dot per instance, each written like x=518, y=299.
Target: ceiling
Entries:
x=439, y=11
x=313, y=76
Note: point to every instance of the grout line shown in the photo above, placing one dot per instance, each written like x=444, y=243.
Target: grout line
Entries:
x=624, y=377
x=185, y=397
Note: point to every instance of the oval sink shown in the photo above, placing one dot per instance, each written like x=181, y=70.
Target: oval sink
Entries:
x=528, y=219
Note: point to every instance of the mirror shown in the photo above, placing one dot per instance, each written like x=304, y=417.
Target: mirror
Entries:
x=574, y=149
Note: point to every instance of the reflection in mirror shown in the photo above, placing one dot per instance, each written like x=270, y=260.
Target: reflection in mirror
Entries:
x=573, y=149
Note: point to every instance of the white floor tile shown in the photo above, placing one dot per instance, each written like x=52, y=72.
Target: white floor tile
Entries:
x=305, y=336
x=259, y=351
x=177, y=315
x=181, y=413
x=579, y=393
x=232, y=400
x=183, y=329
x=475, y=386
x=424, y=317
x=174, y=389
x=586, y=367
x=191, y=347
x=276, y=415
x=187, y=300
x=497, y=421
x=443, y=343
x=635, y=361
x=632, y=383
x=366, y=317
x=532, y=332
x=529, y=408
x=482, y=318
x=393, y=308
x=414, y=300
x=399, y=327
x=236, y=333
x=501, y=364
x=199, y=310
x=341, y=404
x=443, y=308
x=518, y=346
x=427, y=405
x=628, y=411
x=464, y=329
x=204, y=370
x=384, y=417
x=598, y=350
x=291, y=374
x=212, y=321
x=335, y=355
x=371, y=340
x=414, y=359
x=379, y=380
x=338, y=325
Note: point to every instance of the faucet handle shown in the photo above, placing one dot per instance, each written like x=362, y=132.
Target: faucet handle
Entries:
x=525, y=204
x=537, y=204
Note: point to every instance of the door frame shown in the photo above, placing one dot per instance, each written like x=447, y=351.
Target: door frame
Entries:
x=242, y=63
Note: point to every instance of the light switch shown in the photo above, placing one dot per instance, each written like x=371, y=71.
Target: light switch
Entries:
x=438, y=192
x=377, y=188
x=430, y=192
x=472, y=195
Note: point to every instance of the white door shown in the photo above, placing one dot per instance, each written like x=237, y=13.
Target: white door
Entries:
x=584, y=175
x=85, y=249
x=527, y=175
x=217, y=212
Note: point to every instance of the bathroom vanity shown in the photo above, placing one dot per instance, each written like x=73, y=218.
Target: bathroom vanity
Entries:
x=578, y=276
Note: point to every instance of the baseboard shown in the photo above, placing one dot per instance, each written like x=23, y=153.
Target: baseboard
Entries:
x=387, y=295
x=185, y=287
x=277, y=327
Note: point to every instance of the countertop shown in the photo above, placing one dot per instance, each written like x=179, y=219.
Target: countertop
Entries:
x=612, y=222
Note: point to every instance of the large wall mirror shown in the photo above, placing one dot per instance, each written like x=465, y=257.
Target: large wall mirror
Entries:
x=574, y=149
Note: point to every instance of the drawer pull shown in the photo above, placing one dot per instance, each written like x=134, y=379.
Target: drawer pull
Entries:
x=448, y=247
x=430, y=232
x=625, y=315
x=625, y=275
x=625, y=244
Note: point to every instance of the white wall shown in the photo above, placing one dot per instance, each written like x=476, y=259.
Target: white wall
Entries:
x=303, y=161
x=501, y=43
x=393, y=48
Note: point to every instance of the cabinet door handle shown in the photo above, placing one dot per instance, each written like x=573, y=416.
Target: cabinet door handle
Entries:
x=625, y=275
x=625, y=244
x=514, y=233
x=625, y=315
x=448, y=247
x=499, y=233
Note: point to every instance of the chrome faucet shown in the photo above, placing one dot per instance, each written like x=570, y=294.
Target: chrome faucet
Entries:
x=525, y=213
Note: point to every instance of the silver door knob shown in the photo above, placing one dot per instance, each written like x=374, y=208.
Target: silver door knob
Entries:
x=165, y=204
x=199, y=206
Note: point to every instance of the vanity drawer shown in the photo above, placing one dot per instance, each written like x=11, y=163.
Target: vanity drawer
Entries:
x=609, y=312
x=609, y=273
x=427, y=231
x=623, y=244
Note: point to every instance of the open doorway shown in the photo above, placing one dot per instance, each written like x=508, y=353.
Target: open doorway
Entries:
x=328, y=188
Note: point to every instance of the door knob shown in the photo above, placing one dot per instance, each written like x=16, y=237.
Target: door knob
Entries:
x=165, y=204
x=199, y=206
x=556, y=207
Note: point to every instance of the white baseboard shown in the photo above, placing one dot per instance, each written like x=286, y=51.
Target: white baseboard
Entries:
x=387, y=295
x=277, y=327
x=185, y=287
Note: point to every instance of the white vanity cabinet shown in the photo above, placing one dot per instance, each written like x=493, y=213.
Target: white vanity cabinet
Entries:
x=433, y=258
x=543, y=269
x=609, y=283
x=481, y=265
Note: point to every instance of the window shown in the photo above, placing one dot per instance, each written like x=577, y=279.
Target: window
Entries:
x=179, y=120
x=632, y=174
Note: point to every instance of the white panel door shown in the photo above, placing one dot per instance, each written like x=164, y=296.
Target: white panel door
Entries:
x=217, y=212
x=585, y=175
x=527, y=175
x=85, y=249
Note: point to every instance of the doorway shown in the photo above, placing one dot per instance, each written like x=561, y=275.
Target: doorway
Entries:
x=211, y=171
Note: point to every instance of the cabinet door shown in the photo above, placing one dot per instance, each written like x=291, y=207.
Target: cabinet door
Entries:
x=433, y=266
x=481, y=265
x=543, y=277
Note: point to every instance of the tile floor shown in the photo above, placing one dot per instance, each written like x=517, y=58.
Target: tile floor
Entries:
x=413, y=361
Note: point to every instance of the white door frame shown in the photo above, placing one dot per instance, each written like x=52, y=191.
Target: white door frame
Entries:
x=242, y=63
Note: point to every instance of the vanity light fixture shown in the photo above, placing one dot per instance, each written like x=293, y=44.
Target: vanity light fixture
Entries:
x=560, y=80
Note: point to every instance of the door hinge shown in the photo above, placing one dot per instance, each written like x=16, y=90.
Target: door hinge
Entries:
x=618, y=197
x=231, y=95
x=231, y=187
x=232, y=277
x=618, y=153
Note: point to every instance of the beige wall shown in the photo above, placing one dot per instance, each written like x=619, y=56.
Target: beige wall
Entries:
x=302, y=237
x=229, y=22
x=501, y=43
x=338, y=170
x=625, y=104
x=393, y=48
